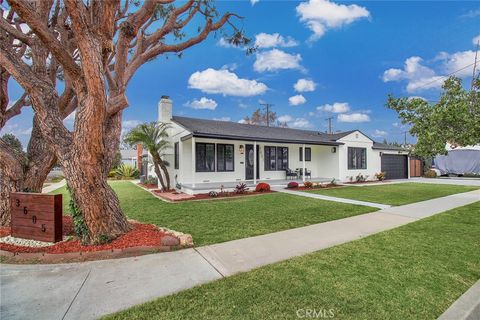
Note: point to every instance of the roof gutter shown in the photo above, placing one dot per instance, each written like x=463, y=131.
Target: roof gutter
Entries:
x=229, y=137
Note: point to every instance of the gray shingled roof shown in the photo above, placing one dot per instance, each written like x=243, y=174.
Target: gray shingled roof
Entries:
x=383, y=146
x=233, y=130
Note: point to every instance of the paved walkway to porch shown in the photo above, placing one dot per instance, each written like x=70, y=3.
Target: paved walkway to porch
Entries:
x=92, y=289
x=54, y=186
x=323, y=197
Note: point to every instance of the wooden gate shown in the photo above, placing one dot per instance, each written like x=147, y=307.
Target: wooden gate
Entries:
x=416, y=167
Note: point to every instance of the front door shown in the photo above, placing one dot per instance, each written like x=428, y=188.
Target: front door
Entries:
x=249, y=156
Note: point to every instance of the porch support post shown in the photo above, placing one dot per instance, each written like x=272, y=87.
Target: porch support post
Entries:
x=303, y=158
x=255, y=162
x=193, y=162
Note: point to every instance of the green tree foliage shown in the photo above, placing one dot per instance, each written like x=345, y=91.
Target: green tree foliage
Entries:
x=154, y=137
x=455, y=118
x=12, y=141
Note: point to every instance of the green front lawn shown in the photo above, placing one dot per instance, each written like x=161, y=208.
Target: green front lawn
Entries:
x=412, y=272
x=395, y=194
x=213, y=221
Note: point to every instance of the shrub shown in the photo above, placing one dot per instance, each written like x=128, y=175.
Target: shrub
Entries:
x=79, y=225
x=151, y=180
x=430, y=174
x=241, y=188
x=262, y=187
x=112, y=173
x=126, y=171
x=292, y=185
x=380, y=176
x=360, y=178
x=213, y=194
x=308, y=184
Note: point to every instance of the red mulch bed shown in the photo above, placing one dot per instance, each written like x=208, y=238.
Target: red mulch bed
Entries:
x=365, y=182
x=326, y=186
x=140, y=235
x=205, y=196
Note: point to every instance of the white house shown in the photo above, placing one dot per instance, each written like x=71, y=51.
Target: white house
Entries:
x=208, y=154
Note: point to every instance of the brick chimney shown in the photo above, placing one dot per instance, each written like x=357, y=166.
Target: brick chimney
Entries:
x=165, y=109
x=139, y=157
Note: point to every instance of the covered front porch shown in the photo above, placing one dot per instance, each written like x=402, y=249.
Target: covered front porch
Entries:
x=207, y=164
x=205, y=187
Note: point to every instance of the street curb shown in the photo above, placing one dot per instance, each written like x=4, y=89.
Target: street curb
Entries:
x=467, y=307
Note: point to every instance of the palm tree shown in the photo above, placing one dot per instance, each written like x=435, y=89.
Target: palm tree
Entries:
x=154, y=137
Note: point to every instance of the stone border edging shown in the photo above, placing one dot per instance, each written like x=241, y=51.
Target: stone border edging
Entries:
x=53, y=258
x=467, y=307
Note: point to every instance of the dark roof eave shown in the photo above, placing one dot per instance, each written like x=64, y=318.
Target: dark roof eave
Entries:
x=391, y=149
x=230, y=137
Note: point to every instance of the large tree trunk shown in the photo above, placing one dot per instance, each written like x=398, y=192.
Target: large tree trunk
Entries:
x=165, y=172
x=41, y=160
x=156, y=166
x=11, y=180
x=95, y=198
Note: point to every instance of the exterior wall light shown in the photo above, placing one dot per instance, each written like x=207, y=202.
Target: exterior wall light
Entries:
x=242, y=149
x=334, y=149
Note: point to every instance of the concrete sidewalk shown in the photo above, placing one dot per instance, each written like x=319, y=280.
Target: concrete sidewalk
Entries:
x=54, y=186
x=92, y=289
x=329, y=198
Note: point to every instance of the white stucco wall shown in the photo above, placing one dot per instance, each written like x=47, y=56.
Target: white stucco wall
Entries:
x=324, y=162
x=359, y=140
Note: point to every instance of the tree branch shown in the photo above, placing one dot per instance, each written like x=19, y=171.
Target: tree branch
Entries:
x=26, y=12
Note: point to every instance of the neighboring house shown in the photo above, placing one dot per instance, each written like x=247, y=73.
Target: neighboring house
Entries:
x=207, y=153
x=134, y=157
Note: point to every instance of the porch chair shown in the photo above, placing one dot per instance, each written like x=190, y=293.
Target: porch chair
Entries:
x=291, y=174
x=308, y=173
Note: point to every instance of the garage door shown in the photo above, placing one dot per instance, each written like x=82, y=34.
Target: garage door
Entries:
x=395, y=166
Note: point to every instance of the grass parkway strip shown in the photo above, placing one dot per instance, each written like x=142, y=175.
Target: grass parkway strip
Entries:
x=395, y=194
x=413, y=272
x=214, y=221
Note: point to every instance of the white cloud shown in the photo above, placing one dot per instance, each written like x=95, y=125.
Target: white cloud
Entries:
x=297, y=100
x=253, y=2
x=476, y=40
x=285, y=118
x=265, y=40
x=457, y=62
x=226, y=83
x=472, y=14
x=203, y=103
x=223, y=119
x=300, y=123
x=242, y=121
x=417, y=97
x=16, y=130
x=304, y=85
x=243, y=105
x=321, y=15
x=379, y=133
x=70, y=119
x=353, y=117
x=275, y=59
x=418, y=76
x=224, y=43
x=130, y=124
x=229, y=66
x=337, y=107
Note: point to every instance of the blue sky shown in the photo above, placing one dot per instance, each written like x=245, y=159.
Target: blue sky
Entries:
x=348, y=57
